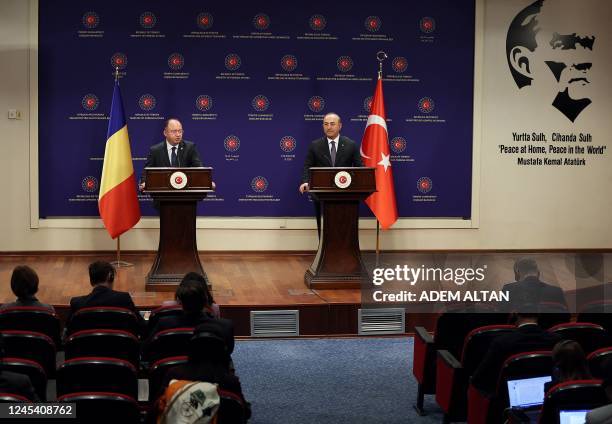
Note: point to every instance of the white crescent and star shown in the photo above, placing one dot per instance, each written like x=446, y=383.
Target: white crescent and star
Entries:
x=385, y=161
x=377, y=120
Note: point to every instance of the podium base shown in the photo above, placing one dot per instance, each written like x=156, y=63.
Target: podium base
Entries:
x=333, y=281
x=121, y=264
x=168, y=282
x=162, y=282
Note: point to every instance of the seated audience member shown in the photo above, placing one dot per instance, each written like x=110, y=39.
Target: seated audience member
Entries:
x=528, y=289
x=570, y=363
x=24, y=284
x=528, y=336
x=603, y=415
x=196, y=306
x=194, y=276
x=102, y=277
x=15, y=383
x=208, y=365
x=192, y=297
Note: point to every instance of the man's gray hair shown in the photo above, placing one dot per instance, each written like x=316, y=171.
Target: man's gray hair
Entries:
x=526, y=266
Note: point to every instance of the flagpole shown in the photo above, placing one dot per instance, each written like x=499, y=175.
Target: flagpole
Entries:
x=381, y=56
x=377, y=242
x=119, y=263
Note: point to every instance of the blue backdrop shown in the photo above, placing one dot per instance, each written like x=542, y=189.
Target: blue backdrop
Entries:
x=251, y=83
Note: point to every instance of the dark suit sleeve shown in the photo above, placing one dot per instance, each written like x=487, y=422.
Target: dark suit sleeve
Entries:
x=142, y=325
x=357, y=161
x=560, y=297
x=485, y=376
x=308, y=162
x=73, y=309
x=149, y=163
x=194, y=157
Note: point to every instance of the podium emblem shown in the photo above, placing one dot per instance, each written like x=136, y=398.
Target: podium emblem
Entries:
x=178, y=180
x=342, y=179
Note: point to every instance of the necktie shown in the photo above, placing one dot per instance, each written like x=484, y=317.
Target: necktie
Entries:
x=333, y=153
x=174, y=160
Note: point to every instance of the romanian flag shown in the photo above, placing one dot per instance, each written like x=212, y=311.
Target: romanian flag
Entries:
x=118, y=200
x=375, y=153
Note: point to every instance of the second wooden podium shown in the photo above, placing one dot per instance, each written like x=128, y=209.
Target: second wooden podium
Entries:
x=338, y=263
x=177, y=192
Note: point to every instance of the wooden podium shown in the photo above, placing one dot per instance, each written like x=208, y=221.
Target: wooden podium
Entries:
x=338, y=263
x=177, y=190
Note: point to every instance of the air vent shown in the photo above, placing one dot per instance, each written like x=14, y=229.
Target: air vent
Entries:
x=275, y=323
x=382, y=321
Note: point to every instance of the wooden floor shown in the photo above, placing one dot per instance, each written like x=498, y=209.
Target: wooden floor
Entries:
x=238, y=279
x=243, y=282
x=251, y=279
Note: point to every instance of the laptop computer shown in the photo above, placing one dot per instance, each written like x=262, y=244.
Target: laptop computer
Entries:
x=527, y=395
x=572, y=417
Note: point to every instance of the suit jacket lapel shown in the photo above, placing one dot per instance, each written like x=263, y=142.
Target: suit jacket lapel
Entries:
x=181, y=154
x=325, y=151
x=164, y=153
x=340, y=150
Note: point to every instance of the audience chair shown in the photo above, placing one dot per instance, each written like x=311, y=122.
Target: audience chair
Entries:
x=8, y=397
x=572, y=395
x=111, y=317
x=31, y=318
x=167, y=343
x=107, y=343
x=161, y=312
x=211, y=345
x=452, y=374
x=31, y=345
x=486, y=409
x=451, y=329
x=37, y=374
x=103, y=407
x=102, y=374
x=590, y=336
x=596, y=359
x=552, y=313
x=598, y=312
x=157, y=372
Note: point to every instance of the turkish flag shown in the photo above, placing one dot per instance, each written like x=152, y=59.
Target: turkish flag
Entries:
x=375, y=153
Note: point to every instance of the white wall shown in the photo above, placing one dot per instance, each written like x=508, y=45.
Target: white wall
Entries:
x=515, y=208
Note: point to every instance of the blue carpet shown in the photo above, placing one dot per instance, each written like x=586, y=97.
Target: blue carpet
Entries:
x=361, y=380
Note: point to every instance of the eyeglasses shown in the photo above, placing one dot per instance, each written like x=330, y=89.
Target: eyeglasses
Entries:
x=175, y=131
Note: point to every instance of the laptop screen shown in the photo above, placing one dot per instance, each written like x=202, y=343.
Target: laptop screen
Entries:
x=527, y=392
x=572, y=417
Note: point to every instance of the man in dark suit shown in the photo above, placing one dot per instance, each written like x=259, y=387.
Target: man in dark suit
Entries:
x=528, y=289
x=527, y=337
x=101, y=277
x=331, y=150
x=173, y=151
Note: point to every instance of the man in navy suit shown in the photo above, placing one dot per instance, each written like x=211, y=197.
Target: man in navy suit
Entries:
x=527, y=337
x=173, y=151
x=331, y=150
x=102, y=277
